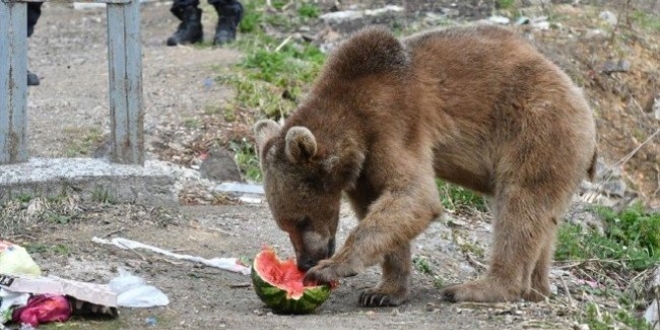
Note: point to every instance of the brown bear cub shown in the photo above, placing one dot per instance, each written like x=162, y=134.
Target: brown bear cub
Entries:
x=476, y=106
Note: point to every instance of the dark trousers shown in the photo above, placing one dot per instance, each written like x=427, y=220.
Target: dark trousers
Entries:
x=228, y=4
x=33, y=13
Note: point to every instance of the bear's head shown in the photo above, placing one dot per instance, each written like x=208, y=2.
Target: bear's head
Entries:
x=303, y=182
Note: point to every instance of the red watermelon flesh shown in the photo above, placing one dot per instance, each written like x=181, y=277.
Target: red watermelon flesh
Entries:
x=281, y=273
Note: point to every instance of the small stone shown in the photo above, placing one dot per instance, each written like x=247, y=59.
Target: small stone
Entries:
x=522, y=20
x=608, y=17
x=654, y=107
x=614, y=188
x=581, y=327
x=616, y=66
x=497, y=19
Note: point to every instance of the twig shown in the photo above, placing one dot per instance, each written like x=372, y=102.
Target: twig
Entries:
x=634, y=279
x=286, y=41
x=584, y=261
x=285, y=7
x=624, y=160
x=240, y=285
x=113, y=232
x=174, y=263
x=222, y=231
x=138, y=253
x=568, y=292
x=473, y=262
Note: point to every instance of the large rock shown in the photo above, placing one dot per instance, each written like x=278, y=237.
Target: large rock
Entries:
x=219, y=165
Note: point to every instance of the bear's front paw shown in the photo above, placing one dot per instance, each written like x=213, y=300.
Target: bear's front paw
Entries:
x=381, y=298
x=327, y=271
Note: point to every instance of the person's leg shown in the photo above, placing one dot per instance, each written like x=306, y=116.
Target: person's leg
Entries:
x=33, y=14
x=230, y=14
x=190, y=29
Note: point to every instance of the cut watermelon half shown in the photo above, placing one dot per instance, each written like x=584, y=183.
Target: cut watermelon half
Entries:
x=279, y=284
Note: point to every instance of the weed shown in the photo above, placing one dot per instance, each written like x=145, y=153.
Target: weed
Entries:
x=457, y=198
x=211, y=109
x=252, y=17
x=632, y=237
x=56, y=218
x=61, y=249
x=505, y=4
x=191, y=123
x=601, y=319
x=102, y=195
x=646, y=20
x=438, y=282
x=245, y=156
x=33, y=248
x=308, y=10
x=422, y=265
x=83, y=140
x=24, y=197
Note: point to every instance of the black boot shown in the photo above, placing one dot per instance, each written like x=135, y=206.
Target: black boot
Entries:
x=33, y=14
x=32, y=79
x=229, y=16
x=190, y=30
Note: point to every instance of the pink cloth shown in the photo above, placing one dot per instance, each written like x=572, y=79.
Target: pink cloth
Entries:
x=43, y=308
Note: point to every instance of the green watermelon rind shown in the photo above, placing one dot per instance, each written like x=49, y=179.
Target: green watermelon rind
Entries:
x=276, y=299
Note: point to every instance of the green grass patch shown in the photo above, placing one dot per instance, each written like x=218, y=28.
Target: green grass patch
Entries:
x=83, y=141
x=505, y=4
x=274, y=74
x=601, y=319
x=457, y=198
x=646, y=20
x=247, y=160
x=422, y=265
x=60, y=249
x=628, y=247
x=632, y=237
x=309, y=10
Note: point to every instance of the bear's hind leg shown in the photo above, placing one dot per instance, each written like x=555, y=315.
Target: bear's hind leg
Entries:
x=521, y=231
x=540, y=288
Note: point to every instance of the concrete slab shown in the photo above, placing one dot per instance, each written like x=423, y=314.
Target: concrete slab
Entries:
x=153, y=184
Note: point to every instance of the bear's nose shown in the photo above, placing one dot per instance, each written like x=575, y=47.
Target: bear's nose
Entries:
x=305, y=264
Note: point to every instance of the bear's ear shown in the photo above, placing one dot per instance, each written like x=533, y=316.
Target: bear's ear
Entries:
x=300, y=144
x=265, y=130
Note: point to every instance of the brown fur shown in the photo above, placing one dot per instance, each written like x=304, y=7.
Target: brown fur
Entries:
x=476, y=106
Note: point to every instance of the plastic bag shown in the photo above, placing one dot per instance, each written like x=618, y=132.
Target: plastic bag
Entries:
x=133, y=291
x=43, y=308
x=14, y=260
x=8, y=300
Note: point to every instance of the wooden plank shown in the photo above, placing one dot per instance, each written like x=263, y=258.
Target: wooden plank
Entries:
x=13, y=83
x=125, y=83
x=70, y=1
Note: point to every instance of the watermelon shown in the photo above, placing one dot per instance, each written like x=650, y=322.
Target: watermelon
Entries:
x=279, y=284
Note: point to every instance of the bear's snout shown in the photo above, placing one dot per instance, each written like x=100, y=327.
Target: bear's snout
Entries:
x=305, y=262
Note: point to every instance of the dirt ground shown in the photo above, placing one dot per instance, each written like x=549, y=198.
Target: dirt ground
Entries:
x=69, y=113
x=207, y=298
